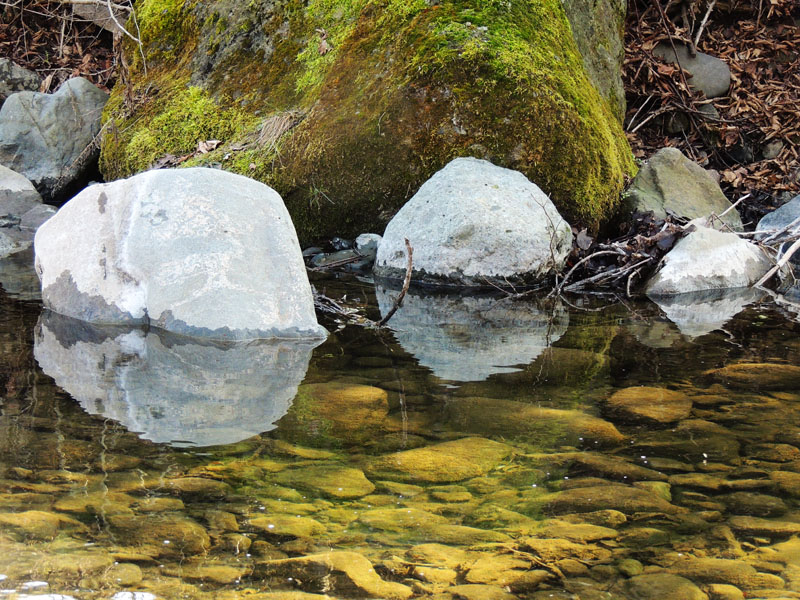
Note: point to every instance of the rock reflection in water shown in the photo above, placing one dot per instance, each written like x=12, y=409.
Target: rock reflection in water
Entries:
x=468, y=338
x=17, y=277
x=697, y=314
x=172, y=389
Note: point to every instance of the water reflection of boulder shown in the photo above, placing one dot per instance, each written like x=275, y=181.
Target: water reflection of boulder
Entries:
x=699, y=313
x=468, y=338
x=172, y=389
x=17, y=277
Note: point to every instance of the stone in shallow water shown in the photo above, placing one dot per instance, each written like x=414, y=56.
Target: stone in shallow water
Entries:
x=334, y=481
x=342, y=573
x=468, y=338
x=627, y=500
x=474, y=591
x=660, y=586
x=228, y=264
x=758, y=376
x=141, y=379
x=644, y=404
x=520, y=420
x=170, y=533
x=288, y=525
x=715, y=570
x=441, y=463
x=758, y=505
x=38, y=525
x=438, y=554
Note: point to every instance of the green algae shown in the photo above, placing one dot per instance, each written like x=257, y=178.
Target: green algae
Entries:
x=403, y=88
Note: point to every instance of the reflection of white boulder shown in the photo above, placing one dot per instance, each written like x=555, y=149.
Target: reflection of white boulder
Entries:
x=469, y=338
x=700, y=313
x=173, y=389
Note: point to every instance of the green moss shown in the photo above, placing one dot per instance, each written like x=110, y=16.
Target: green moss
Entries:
x=404, y=88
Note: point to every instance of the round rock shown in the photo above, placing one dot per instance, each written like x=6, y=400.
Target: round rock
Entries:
x=200, y=252
x=473, y=223
x=649, y=405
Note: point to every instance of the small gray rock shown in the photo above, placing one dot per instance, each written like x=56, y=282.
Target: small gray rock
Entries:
x=708, y=74
x=367, y=243
x=707, y=259
x=781, y=216
x=670, y=182
x=473, y=224
x=14, y=78
x=201, y=252
x=46, y=137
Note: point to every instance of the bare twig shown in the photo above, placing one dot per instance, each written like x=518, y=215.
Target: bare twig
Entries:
x=703, y=22
x=612, y=274
x=406, y=283
x=779, y=265
x=557, y=290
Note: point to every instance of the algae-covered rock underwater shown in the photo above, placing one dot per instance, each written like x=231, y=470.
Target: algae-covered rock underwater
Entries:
x=300, y=310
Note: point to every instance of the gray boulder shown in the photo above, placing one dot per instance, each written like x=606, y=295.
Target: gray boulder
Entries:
x=14, y=78
x=468, y=338
x=201, y=252
x=671, y=183
x=476, y=224
x=781, y=217
x=707, y=259
x=21, y=212
x=48, y=138
x=170, y=389
x=706, y=73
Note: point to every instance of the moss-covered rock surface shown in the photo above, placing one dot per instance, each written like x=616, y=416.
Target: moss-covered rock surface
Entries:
x=347, y=107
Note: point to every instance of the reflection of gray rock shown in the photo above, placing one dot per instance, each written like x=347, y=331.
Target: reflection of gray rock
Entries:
x=703, y=312
x=469, y=338
x=168, y=388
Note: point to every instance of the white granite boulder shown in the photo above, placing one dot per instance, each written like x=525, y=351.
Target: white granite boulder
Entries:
x=707, y=259
x=48, y=137
x=476, y=224
x=200, y=252
x=171, y=389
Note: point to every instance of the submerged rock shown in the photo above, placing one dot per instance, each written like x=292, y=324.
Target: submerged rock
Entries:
x=441, y=463
x=469, y=338
x=228, y=264
x=476, y=224
x=348, y=574
x=644, y=404
x=707, y=259
x=171, y=389
x=524, y=421
x=659, y=586
x=758, y=376
x=47, y=137
x=671, y=183
x=627, y=500
x=331, y=480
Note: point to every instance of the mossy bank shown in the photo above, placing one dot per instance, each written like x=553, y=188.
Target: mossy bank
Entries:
x=347, y=107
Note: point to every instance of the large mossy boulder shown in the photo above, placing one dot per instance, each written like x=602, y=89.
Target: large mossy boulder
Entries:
x=346, y=108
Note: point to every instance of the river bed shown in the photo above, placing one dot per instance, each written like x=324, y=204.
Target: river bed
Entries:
x=481, y=448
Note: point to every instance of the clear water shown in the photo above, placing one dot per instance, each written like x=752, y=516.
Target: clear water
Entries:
x=479, y=449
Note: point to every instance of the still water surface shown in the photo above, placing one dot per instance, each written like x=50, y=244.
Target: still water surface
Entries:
x=480, y=449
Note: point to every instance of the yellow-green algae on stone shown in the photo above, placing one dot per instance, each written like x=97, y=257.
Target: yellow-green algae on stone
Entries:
x=351, y=133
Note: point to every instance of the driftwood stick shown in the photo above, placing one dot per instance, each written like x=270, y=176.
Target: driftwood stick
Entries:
x=612, y=274
x=560, y=286
x=779, y=265
x=406, y=283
